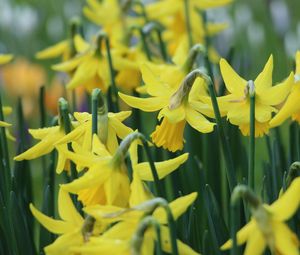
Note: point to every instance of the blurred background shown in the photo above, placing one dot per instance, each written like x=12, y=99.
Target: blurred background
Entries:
x=257, y=28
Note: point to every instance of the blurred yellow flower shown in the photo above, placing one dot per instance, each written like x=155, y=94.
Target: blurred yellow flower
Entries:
x=267, y=227
x=23, y=79
x=236, y=105
x=291, y=108
x=90, y=65
x=5, y=58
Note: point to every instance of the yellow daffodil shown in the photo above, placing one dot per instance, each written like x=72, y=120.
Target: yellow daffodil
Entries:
x=267, y=227
x=90, y=65
x=106, y=181
x=237, y=103
x=130, y=218
x=68, y=229
x=291, y=107
x=60, y=49
x=177, y=101
x=48, y=136
x=5, y=58
x=171, y=14
x=82, y=133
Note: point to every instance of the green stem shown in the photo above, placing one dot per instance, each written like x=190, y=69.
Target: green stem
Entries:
x=188, y=22
x=223, y=137
x=66, y=123
x=144, y=41
x=172, y=230
x=4, y=157
x=252, y=136
x=234, y=227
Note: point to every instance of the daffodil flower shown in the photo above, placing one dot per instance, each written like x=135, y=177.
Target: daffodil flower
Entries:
x=236, y=105
x=178, y=102
x=122, y=232
x=90, y=65
x=171, y=14
x=267, y=227
x=82, y=133
x=5, y=58
x=106, y=181
x=68, y=229
x=291, y=107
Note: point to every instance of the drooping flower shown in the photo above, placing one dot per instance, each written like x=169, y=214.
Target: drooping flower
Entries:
x=106, y=180
x=128, y=221
x=68, y=229
x=267, y=227
x=91, y=67
x=82, y=133
x=237, y=103
x=178, y=102
x=291, y=107
x=172, y=15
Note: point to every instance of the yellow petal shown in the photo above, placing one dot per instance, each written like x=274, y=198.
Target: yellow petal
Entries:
x=263, y=113
x=66, y=209
x=242, y=235
x=234, y=83
x=53, y=51
x=174, y=116
x=5, y=58
x=139, y=191
x=297, y=62
x=80, y=44
x=206, y=4
x=6, y=110
x=69, y=65
x=4, y=124
x=41, y=133
x=277, y=94
x=286, y=242
x=151, y=104
x=120, y=129
x=183, y=249
x=285, y=206
x=54, y=226
x=95, y=176
x=256, y=244
x=86, y=71
x=99, y=148
x=61, y=158
x=264, y=79
x=198, y=121
x=290, y=107
x=163, y=168
x=178, y=207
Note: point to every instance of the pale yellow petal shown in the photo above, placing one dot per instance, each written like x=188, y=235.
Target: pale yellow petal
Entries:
x=234, y=83
x=286, y=206
x=264, y=79
x=256, y=244
x=151, y=104
x=163, y=168
x=178, y=207
x=53, y=51
x=54, y=226
x=198, y=121
x=67, y=210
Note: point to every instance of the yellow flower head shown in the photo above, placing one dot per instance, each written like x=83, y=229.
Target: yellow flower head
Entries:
x=267, y=226
x=106, y=181
x=128, y=220
x=237, y=103
x=171, y=14
x=291, y=106
x=68, y=229
x=177, y=101
x=90, y=65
